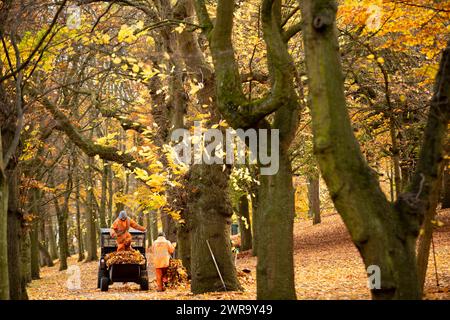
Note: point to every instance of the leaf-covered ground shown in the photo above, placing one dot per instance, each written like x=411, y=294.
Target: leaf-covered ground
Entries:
x=327, y=266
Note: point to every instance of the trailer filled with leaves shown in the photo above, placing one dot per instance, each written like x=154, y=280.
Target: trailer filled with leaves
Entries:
x=124, y=257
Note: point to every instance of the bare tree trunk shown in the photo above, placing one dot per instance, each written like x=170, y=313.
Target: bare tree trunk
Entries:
x=274, y=220
x=184, y=246
x=275, y=269
x=395, y=158
x=148, y=224
x=169, y=227
x=102, y=210
x=34, y=234
x=79, y=232
x=46, y=255
x=110, y=194
x=446, y=189
x=52, y=239
x=26, y=258
x=423, y=247
x=4, y=280
x=90, y=218
x=17, y=287
x=62, y=236
x=391, y=185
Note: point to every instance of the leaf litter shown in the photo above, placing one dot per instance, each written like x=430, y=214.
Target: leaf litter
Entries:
x=327, y=266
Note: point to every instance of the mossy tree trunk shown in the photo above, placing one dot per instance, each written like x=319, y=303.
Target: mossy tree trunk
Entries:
x=26, y=258
x=210, y=224
x=152, y=227
x=275, y=277
x=34, y=234
x=11, y=122
x=385, y=233
x=17, y=287
x=273, y=220
x=102, y=209
x=62, y=214
x=202, y=209
x=46, y=257
x=78, y=217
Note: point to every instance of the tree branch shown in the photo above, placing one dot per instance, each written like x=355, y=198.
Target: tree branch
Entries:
x=203, y=15
x=89, y=148
x=232, y=102
x=19, y=111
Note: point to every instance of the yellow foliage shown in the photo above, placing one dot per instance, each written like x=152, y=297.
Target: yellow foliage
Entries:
x=126, y=34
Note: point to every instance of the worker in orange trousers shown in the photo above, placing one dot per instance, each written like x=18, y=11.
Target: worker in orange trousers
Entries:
x=162, y=249
x=120, y=229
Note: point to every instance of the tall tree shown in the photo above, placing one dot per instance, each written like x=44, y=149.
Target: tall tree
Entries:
x=208, y=207
x=314, y=198
x=275, y=215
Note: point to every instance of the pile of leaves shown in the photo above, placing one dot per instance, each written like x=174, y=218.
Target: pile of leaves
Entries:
x=124, y=257
x=176, y=274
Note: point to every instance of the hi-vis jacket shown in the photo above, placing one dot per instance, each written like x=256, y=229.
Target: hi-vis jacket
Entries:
x=120, y=228
x=162, y=249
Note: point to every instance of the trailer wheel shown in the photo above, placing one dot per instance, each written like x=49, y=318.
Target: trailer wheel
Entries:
x=99, y=278
x=144, y=283
x=104, y=283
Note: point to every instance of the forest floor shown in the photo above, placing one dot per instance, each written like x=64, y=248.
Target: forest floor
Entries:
x=327, y=266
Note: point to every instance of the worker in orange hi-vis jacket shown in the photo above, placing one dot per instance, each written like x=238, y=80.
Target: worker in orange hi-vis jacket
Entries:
x=162, y=249
x=120, y=229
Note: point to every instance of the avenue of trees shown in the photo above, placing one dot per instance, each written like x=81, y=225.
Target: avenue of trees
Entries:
x=91, y=92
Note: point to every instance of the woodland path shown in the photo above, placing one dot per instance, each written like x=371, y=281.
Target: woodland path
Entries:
x=327, y=266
